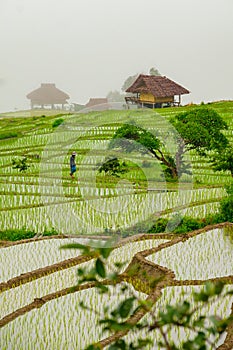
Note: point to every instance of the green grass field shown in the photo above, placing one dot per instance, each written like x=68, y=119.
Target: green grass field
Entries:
x=28, y=198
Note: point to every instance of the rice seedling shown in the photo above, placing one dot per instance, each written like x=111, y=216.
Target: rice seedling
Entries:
x=203, y=257
x=62, y=323
x=174, y=296
x=34, y=255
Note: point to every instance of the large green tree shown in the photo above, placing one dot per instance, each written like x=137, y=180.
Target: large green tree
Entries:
x=226, y=205
x=154, y=71
x=129, y=81
x=131, y=138
x=199, y=129
x=115, y=96
x=223, y=161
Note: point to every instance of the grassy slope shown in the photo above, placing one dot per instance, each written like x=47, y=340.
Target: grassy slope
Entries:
x=34, y=131
x=38, y=125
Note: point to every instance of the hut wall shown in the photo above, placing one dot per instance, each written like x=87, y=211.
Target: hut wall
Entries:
x=147, y=98
x=164, y=99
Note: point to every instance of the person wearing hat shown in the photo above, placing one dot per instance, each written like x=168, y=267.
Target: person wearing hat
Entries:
x=72, y=164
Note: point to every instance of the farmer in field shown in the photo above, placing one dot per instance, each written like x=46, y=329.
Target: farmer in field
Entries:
x=72, y=164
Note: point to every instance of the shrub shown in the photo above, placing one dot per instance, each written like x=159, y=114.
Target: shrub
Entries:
x=20, y=164
x=18, y=234
x=211, y=220
x=57, y=122
x=114, y=167
x=8, y=135
x=226, y=205
x=51, y=232
x=185, y=224
x=226, y=209
x=188, y=224
x=159, y=226
x=229, y=189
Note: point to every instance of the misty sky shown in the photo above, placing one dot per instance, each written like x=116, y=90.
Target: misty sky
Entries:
x=89, y=47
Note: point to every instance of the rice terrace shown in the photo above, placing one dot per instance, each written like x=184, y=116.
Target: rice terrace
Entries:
x=135, y=250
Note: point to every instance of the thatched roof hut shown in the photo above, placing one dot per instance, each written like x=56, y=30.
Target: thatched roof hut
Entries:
x=97, y=104
x=154, y=91
x=47, y=95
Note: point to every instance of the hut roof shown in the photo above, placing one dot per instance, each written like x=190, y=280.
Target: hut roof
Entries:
x=156, y=85
x=96, y=101
x=48, y=93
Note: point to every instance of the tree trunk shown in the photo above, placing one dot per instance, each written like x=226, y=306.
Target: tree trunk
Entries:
x=166, y=162
x=179, y=156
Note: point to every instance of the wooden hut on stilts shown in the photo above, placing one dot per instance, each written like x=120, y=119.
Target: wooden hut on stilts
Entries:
x=154, y=92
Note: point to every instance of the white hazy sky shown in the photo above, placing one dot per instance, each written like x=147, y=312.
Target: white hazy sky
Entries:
x=89, y=47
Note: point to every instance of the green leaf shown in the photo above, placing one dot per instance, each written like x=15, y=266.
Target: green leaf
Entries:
x=126, y=307
x=212, y=289
x=115, y=326
x=102, y=289
x=83, y=306
x=146, y=304
x=85, y=249
x=141, y=344
x=113, y=277
x=105, y=252
x=202, y=296
x=86, y=275
x=198, y=343
x=199, y=322
x=80, y=272
x=118, y=345
x=230, y=292
x=119, y=264
x=73, y=246
x=93, y=347
x=100, y=268
x=124, y=288
x=219, y=324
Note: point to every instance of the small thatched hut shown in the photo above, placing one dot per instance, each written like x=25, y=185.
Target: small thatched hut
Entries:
x=47, y=95
x=155, y=91
x=97, y=104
